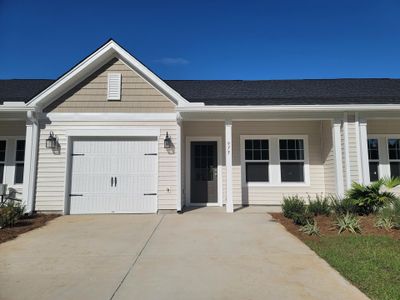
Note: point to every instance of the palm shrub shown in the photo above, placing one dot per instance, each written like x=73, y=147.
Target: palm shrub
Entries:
x=368, y=198
x=348, y=222
x=319, y=206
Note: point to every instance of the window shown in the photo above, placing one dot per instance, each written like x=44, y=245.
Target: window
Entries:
x=19, y=161
x=114, y=86
x=394, y=157
x=257, y=160
x=373, y=158
x=2, y=159
x=291, y=153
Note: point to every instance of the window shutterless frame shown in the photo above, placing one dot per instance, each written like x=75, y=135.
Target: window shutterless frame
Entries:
x=373, y=159
x=274, y=161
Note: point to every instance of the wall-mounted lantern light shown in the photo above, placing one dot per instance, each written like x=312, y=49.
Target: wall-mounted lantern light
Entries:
x=51, y=141
x=167, y=141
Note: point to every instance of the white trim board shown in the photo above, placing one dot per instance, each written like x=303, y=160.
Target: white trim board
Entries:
x=120, y=131
x=190, y=139
x=110, y=117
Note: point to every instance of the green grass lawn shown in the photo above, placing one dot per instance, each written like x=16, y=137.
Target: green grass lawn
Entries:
x=372, y=263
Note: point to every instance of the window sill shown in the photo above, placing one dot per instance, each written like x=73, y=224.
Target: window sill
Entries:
x=282, y=184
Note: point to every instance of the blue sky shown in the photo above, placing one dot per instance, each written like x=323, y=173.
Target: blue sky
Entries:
x=206, y=39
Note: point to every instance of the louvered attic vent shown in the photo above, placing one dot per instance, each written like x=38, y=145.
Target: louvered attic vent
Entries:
x=114, y=86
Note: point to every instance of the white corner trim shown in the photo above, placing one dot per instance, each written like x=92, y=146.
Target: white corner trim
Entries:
x=190, y=139
x=91, y=63
x=359, y=167
x=120, y=131
x=178, y=154
x=104, y=117
x=364, y=150
x=338, y=157
x=346, y=150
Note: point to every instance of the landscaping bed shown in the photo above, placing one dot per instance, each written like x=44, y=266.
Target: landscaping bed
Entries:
x=24, y=224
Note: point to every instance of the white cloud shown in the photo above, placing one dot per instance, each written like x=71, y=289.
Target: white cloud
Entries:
x=172, y=61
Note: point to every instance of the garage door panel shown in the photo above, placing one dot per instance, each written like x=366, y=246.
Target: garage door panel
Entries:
x=132, y=166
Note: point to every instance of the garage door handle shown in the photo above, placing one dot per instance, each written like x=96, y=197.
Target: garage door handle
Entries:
x=150, y=194
x=76, y=195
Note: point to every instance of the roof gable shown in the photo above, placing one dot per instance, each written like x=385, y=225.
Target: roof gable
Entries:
x=92, y=63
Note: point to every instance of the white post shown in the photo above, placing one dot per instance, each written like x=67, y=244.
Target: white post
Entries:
x=178, y=154
x=337, y=147
x=31, y=149
x=364, y=151
x=228, y=160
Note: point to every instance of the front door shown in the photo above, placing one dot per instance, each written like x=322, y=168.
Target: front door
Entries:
x=203, y=173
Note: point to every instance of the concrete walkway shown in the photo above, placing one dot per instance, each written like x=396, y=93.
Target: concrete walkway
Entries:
x=202, y=254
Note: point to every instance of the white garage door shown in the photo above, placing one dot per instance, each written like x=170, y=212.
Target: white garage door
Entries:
x=114, y=175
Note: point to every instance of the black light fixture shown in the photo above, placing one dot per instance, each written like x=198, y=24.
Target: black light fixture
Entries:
x=51, y=141
x=167, y=141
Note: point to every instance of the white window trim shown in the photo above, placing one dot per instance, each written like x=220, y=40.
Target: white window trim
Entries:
x=370, y=137
x=9, y=163
x=255, y=161
x=384, y=162
x=274, y=161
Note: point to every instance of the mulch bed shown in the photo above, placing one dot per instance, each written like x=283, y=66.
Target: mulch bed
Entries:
x=25, y=224
x=327, y=228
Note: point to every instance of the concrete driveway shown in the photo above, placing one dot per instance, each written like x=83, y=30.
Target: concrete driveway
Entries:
x=203, y=254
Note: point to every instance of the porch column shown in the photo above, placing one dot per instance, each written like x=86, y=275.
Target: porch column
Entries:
x=178, y=153
x=364, y=151
x=31, y=149
x=337, y=148
x=228, y=161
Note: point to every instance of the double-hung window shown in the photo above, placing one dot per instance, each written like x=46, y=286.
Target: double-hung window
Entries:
x=394, y=156
x=3, y=145
x=19, y=161
x=373, y=158
x=257, y=160
x=291, y=153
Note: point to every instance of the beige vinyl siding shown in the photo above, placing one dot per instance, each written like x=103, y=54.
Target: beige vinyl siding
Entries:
x=344, y=164
x=386, y=127
x=52, y=167
x=328, y=157
x=353, y=152
x=12, y=128
x=273, y=194
x=137, y=95
x=205, y=129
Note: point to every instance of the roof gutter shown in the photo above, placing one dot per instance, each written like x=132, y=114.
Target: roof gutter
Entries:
x=293, y=108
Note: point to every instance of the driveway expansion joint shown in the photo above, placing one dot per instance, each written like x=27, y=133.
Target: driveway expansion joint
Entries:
x=137, y=257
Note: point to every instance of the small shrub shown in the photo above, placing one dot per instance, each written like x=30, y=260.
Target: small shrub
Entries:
x=384, y=222
x=310, y=229
x=388, y=217
x=319, y=206
x=341, y=206
x=10, y=212
x=302, y=218
x=348, y=222
x=293, y=206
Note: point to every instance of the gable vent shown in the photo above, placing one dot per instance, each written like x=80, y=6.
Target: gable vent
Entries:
x=114, y=86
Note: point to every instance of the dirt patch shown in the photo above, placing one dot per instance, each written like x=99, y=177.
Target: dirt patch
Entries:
x=327, y=227
x=25, y=224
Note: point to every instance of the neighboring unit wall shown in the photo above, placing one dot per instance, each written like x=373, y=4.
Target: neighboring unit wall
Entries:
x=386, y=127
x=273, y=194
x=328, y=157
x=137, y=95
x=52, y=167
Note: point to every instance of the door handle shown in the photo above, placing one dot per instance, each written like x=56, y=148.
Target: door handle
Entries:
x=112, y=181
x=115, y=180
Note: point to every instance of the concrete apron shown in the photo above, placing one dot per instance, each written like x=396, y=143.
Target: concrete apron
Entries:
x=196, y=255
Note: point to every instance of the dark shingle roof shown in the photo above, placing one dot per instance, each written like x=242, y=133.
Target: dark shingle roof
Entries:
x=250, y=92
x=18, y=90
x=289, y=92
